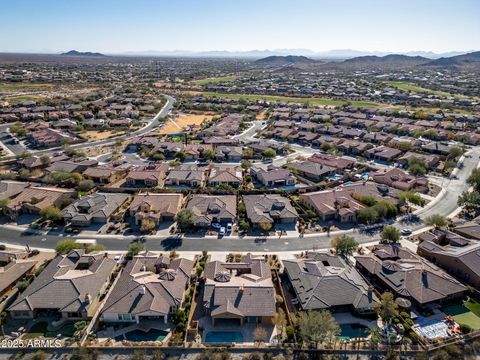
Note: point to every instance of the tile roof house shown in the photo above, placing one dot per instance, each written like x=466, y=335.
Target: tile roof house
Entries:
x=33, y=199
x=269, y=208
x=147, y=175
x=241, y=292
x=431, y=161
x=312, y=170
x=339, y=163
x=105, y=174
x=470, y=230
x=383, y=153
x=273, y=177
x=332, y=205
x=14, y=266
x=231, y=176
x=190, y=176
x=10, y=189
x=94, y=208
x=454, y=253
x=157, y=207
x=326, y=281
x=228, y=153
x=397, y=178
x=71, y=165
x=208, y=209
x=151, y=287
x=68, y=287
x=406, y=274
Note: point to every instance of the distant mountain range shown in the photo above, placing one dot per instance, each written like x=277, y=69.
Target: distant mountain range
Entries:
x=79, y=53
x=258, y=54
x=276, y=60
x=470, y=60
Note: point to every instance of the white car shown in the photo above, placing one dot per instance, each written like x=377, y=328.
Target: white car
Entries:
x=229, y=227
x=221, y=232
x=406, y=232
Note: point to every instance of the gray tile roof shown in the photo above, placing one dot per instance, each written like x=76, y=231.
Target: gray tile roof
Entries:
x=322, y=281
x=64, y=287
x=98, y=205
x=268, y=208
x=150, y=282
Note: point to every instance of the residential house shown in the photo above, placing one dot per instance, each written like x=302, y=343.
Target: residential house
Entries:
x=33, y=199
x=431, y=161
x=228, y=153
x=69, y=287
x=269, y=208
x=14, y=266
x=106, y=174
x=151, y=175
x=332, y=205
x=240, y=292
x=186, y=175
x=10, y=189
x=457, y=255
x=407, y=275
x=156, y=207
x=95, y=208
x=208, y=209
x=312, y=170
x=398, y=179
x=339, y=163
x=273, y=177
x=383, y=153
x=151, y=287
x=325, y=281
x=231, y=176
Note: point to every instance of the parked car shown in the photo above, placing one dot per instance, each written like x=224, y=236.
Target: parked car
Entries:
x=229, y=227
x=216, y=226
x=406, y=232
x=222, y=231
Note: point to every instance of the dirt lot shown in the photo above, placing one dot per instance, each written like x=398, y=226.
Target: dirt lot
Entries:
x=100, y=135
x=181, y=121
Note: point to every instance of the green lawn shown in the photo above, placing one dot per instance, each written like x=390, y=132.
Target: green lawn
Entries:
x=21, y=98
x=22, y=86
x=312, y=101
x=214, y=80
x=406, y=86
x=467, y=313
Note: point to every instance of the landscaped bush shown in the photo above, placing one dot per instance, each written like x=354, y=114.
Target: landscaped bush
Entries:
x=465, y=329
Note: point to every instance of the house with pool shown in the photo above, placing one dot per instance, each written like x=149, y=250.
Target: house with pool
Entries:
x=325, y=281
x=239, y=293
x=69, y=288
x=151, y=288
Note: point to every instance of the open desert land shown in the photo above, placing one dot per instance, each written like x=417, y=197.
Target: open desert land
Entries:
x=180, y=122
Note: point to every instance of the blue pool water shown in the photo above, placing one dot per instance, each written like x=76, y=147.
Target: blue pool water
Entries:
x=351, y=331
x=288, y=187
x=364, y=176
x=139, y=335
x=335, y=177
x=224, y=337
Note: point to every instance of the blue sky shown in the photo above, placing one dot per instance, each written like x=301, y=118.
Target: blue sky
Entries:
x=113, y=26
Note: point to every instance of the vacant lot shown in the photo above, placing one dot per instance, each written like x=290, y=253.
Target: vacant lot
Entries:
x=180, y=122
x=311, y=101
x=406, y=86
x=214, y=80
x=100, y=135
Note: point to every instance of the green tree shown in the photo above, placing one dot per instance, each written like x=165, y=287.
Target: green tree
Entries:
x=265, y=226
x=147, y=225
x=409, y=196
x=387, y=308
x=344, y=245
x=85, y=185
x=180, y=155
x=65, y=246
x=368, y=200
x=208, y=154
x=51, y=212
x=246, y=164
x=436, y=220
x=368, y=215
x=469, y=200
x=95, y=248
x=45, y=160
x=390, y=234
x=385, y=209
x=474, y=179
x=134, y=248
x=317, y=326
x=184, y=219
x=4, y=203
x=269, y=153
x=455, y=152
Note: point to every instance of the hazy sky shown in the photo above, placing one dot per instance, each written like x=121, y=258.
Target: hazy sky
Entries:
x=199, y=25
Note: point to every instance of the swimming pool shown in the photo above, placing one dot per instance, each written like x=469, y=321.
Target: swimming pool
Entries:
x=288, y=187
x=351, y=331
x=335, y=177
x=224, y=337
x=139, y=335
x=364, y=176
